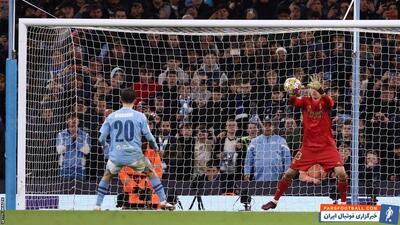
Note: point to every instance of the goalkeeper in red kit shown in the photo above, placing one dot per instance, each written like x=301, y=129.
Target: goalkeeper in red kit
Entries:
x=318, y=146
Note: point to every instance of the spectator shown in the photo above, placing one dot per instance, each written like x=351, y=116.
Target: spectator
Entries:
x=192, y=63
x=243, y=104
x=83, y=8
x=382, y=120
x=295, y=11
x=344, y=6
x=225, y=149
x=268, y=156
x=58, y=64
x=117, y=83
x=93, y=73
x=184, y=105
x=203, y=151
x=183, y=162
x=380, y=60
x=267, y=83
x=345, y=134
x=199, y=110
x=146, y=87
x=275, y=107
x=42, y=130
x=266, y=9
x=117, y=56
x=315, y=7
x=159, y=9
x=176, y=9
x=72, y=146
x=159, y=108
x=3, y=51
x=211, y=68
x=203, y=10
x=120, y=13
x=67, y=9
x=371, y=173
x=3, y=14
x=251, y=14
x=190, y=13
x=96, y=11
x=217, y=109
x=394, y=164
x=201, y=183
x=391, y=12
x=152, y=52
x=332, y=13
x=199, y=90
x=222, y=12
x=83, y=113
x=167, y=143
x=112, y=5
x=137, y=10
x=174, y=64
x=243, y=144
x=170, y=88
x=367, y=10
x=174, y=47
x=283, y=14
x=292, y=133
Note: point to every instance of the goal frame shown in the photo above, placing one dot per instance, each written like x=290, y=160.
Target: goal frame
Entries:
x=24, y=23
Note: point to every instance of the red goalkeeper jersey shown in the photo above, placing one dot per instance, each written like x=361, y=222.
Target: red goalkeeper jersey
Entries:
x=317, y=124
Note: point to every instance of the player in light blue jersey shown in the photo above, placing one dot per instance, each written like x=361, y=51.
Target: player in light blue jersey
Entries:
x=126, y=128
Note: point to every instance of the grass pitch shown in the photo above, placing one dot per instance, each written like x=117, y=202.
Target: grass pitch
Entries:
x=160, y=218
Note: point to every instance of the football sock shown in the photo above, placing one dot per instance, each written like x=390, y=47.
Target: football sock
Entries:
x=158, y=187
x=283, y=185
x=101, y=191
x=342, y=188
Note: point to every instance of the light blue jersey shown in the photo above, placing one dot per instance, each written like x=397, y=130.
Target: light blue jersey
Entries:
x=125, y=127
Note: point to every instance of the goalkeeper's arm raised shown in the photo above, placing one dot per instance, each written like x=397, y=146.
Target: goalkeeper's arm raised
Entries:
x=316, y=85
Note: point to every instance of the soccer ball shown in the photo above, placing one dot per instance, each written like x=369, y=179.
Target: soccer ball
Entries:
x=292, y=84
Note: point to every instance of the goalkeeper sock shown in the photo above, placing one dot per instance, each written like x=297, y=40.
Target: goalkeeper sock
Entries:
x=101, y=191
x=342, y=188
x=158, y=187
x=283, y=185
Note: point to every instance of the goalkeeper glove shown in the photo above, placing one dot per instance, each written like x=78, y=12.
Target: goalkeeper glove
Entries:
x=316, y=84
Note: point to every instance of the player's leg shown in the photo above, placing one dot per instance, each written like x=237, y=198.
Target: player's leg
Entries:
x=342, y=183
x=155, y=182
x=331, y=159
x=102, y=189
x=283, y=185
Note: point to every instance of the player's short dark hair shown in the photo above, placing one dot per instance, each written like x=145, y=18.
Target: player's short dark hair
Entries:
x=120, y=8
x=213, y=163
x=186, y=126
x=172, y=72
x=128, y=95
x=347, y=122
x=373, y=152
x=72, y=116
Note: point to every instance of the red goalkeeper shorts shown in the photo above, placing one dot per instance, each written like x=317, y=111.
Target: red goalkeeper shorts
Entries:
x=327, y=158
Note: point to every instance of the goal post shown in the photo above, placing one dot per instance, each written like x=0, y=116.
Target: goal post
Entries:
x=52, y=53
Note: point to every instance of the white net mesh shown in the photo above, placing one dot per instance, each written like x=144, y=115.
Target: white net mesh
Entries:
x=205, y=92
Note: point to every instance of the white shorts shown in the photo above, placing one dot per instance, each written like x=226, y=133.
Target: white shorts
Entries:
x=139, y=166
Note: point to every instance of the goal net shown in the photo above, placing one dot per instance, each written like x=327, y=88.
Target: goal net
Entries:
x=207, y=93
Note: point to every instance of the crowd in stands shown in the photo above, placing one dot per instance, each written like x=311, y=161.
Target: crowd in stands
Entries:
x=213, y=102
